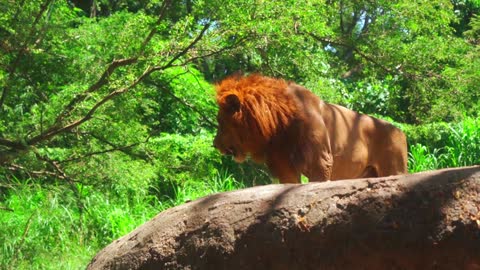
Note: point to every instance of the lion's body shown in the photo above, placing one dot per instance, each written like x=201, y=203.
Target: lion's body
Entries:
x=294, y=132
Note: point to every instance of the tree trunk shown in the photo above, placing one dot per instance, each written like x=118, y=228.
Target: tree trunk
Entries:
x=428, y=220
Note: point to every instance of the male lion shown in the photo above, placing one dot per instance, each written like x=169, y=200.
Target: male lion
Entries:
x=294, y=132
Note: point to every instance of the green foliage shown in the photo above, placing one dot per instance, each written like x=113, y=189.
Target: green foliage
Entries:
x=435, y=135
x=374, y=97
x=43, y=227
x=59, y=221
x=107, y=109
x=330, y=90
x=178, y=101
x=185, y=157
x=191, y=189
x=463, y=147
x=421, y=159
x=446, y=145
x=189, y=165
x=464, y=9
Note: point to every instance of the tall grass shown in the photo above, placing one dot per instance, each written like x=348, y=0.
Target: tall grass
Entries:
x=43, y=227
x=421, y=159
x=460, y=148
x=54, y=228
x=463, y=146
x=194, y=189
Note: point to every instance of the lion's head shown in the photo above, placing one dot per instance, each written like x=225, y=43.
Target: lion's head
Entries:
x=252, y=109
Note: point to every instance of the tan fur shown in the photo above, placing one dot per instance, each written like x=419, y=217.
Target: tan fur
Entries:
x=294, y=132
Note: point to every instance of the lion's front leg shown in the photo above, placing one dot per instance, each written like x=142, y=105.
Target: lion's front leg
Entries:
x=283, y=169
x=321, y=168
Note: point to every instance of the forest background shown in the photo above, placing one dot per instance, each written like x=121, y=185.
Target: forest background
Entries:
x=107, y=109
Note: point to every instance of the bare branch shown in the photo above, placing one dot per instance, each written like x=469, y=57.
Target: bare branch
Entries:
x=59, y=172
x=32, y=174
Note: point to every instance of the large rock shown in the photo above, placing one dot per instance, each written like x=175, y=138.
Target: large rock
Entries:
x=428, y=220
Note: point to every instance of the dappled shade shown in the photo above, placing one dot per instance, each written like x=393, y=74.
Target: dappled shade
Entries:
x=422, y=221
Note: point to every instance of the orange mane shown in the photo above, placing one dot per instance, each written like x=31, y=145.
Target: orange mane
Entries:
x=265, y=103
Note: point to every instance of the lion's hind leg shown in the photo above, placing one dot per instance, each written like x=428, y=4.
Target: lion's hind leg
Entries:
x=369, y=172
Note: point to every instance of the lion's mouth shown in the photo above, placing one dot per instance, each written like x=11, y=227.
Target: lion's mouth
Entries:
x=230, y=151
x=239, y=157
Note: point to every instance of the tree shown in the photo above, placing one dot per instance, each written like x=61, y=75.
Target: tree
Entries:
x=66, y=78
x=76, y=86
x=405, y=45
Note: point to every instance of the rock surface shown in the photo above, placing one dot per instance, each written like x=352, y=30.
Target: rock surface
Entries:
x=429, y=220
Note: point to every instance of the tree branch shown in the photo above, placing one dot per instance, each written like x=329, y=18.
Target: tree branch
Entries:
x=6, y=209
x=356, y=50
x=108, y=97
x=103, y=80
x=192, y=59
x=113, y=149
x=186, y=104
x=54, y=164
x=12, y=144
x=94, y=87
x=21, y=52
x=32, y=174
x=13, y=148
x=186, y=49
x=166, y=4
x=55, y=130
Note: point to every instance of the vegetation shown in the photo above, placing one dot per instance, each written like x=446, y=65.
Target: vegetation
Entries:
x=107, y=109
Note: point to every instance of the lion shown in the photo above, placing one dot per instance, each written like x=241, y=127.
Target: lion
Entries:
x=294, y=132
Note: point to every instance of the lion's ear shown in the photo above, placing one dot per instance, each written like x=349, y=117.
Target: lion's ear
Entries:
x=232, y=103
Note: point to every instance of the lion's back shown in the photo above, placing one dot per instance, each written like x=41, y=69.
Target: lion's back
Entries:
x=365, y=141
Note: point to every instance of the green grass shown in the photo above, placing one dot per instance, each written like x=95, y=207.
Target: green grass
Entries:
x=43, y=227
x=194, y=189
x=54, y=228
x=421, y=159
x=461, y=147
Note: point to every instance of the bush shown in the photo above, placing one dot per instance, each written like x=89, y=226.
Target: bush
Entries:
x=432, y=135
x=186, y=159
